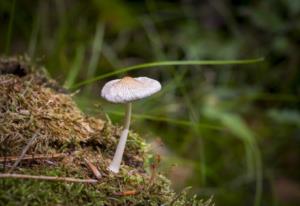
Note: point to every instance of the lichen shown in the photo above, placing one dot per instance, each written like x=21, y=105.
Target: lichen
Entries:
x=32, y=104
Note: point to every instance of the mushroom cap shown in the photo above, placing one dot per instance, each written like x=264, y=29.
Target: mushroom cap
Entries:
x=129, y=89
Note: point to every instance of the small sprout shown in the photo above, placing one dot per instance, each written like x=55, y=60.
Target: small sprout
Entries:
x=125, y=91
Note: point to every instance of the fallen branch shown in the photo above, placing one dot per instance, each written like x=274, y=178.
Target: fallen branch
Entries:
x=94, y=169
x=23, y=152
x=50, y=178
x=33, y=157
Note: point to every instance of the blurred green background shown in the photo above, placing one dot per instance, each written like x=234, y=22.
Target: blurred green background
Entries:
x=231, y=131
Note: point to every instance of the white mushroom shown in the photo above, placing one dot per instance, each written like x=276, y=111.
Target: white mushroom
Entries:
x=125, y=91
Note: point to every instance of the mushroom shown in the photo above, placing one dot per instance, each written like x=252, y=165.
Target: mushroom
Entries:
x=125, y=91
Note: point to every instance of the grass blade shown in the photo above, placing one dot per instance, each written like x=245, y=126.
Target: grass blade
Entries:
x=73, y=73
x=10, y=28
x=96, y=50
x=168, y=63
x=179, y=122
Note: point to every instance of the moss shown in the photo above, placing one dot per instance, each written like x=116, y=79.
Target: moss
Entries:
x=31, y=103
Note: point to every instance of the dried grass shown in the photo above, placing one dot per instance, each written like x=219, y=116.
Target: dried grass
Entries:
x=28, y=105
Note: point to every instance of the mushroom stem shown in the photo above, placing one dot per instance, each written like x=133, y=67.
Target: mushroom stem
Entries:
x=116, y=162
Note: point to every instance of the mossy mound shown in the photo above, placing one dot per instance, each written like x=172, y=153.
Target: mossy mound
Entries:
x=32, y=104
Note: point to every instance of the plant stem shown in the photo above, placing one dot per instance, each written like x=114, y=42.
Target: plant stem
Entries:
x=116, y=162
x=25, y=149
x=167, y=63
x=51, y=178
x=93, y=168
x=10, y=28
x=32, y=157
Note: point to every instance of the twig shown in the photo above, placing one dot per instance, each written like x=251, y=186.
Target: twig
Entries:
x=33, y=157
x=50, y=178
x=154, y=167
x=23, y=153
x=93, y=168
x=126, y=193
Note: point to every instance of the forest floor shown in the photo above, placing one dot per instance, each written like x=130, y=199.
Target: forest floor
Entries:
x=53, y=154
